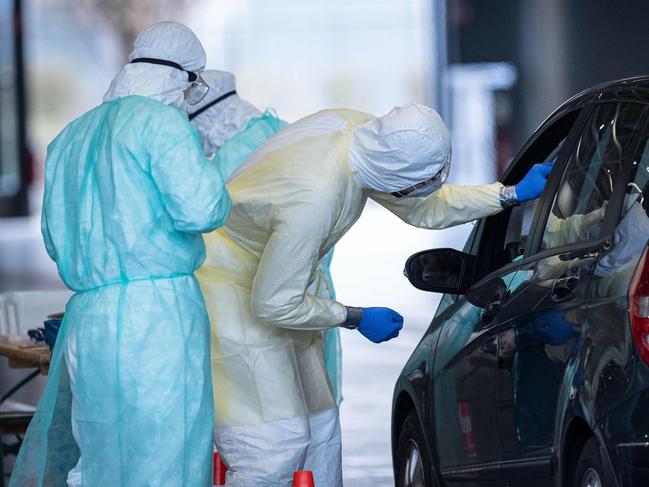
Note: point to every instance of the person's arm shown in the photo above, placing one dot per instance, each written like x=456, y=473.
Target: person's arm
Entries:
x=285, y=271
x=191, y=187
x=575, y=228
x=450, y=205
x=50, y=166
x=47, y=238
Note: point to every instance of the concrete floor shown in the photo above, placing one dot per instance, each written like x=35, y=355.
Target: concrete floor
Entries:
x=366, y=408
x=368, y=271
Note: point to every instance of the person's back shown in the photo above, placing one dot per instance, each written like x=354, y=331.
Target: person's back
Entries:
x=118, y=227
x=306, y=163
x=127, y=194
x=235, y=129
x=295, y=193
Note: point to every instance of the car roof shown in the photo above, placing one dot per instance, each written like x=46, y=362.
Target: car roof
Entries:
x=634, y=89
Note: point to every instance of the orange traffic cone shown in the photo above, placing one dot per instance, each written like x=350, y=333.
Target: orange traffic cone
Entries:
x=303, y=478
x=219, y=469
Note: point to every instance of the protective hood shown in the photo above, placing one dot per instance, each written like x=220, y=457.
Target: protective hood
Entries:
x=167, y=41
x=402, y=148
x=222, y=114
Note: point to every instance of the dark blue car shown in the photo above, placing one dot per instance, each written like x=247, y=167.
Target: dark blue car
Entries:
x=535, y=368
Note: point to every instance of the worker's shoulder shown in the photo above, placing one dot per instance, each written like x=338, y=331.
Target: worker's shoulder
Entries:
x=79, y=125
x=121, y=115
x=135, y=109
x=145, y=107
x=155, y=121
x=347, y=114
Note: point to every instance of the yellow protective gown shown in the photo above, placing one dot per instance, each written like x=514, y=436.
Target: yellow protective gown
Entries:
x=293, y=200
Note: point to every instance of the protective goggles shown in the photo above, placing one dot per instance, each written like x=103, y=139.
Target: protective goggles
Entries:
x=211, y=104
x=198, y=89
x=433, y=183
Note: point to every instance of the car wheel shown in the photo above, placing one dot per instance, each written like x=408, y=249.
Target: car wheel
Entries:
x=589, y=471
x=413, y=465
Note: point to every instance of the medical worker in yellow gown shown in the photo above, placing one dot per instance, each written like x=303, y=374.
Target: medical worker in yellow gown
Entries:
x=231, y=129
x=293, y=199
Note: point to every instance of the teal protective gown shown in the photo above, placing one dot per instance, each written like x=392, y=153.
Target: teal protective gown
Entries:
x=237, y=148
x=228, y=158
x=127, y=194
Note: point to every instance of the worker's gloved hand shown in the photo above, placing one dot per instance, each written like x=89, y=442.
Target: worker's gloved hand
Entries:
x=531, y=186
x=380, y=324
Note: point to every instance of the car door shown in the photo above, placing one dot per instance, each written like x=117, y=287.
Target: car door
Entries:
x=547, y=304
x=464, y=395
x=465, y=382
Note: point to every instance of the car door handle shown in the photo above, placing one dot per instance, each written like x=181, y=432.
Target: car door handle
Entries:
x=563, y=287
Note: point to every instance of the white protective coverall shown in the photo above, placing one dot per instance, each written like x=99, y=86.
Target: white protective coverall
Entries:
x=293, y=199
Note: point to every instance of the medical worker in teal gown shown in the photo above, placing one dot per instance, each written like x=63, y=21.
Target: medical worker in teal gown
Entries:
x=231, y=130
x=128, y=191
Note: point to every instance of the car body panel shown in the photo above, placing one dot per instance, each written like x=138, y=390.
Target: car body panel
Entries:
x=500, y=397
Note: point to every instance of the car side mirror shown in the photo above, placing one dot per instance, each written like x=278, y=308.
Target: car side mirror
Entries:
x=441, y=271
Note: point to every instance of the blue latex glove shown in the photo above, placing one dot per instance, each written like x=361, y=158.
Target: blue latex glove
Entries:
x=531, y=186
x=553, y=328
x=380, y=324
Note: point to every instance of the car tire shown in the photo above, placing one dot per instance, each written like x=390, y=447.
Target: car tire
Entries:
x=589, y=471
x=412, y=462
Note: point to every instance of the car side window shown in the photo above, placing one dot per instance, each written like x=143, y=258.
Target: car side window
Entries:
x=632, y=231
x=638, y=186
x=520, y=221
x=504, y=239
x=579, y=206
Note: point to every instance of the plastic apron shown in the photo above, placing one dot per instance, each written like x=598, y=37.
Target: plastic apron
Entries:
x=228, y=158
x=128, y=398
x=293, y=199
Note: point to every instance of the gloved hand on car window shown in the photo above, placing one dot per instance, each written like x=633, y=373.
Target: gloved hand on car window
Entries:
x=531, y=186
x=380, y=324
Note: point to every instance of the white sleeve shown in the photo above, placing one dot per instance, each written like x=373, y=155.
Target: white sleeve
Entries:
x=575, y=228
x=284, y=273
x=450, y=205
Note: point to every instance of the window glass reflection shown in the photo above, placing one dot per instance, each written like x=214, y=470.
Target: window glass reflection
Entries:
x=587, y=184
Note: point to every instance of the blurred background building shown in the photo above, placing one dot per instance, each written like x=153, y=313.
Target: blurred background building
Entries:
x=494, y=69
